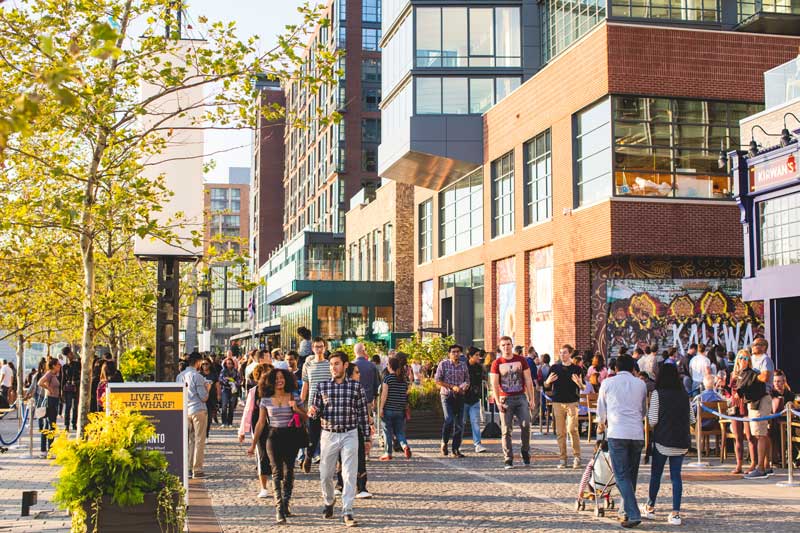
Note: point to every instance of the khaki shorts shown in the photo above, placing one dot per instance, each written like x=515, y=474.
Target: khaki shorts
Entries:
x=760, y=429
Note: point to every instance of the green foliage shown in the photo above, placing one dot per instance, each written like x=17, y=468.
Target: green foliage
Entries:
x=430, y=350
x=424, y=396
x=138, y=364
x=111, y=460
x=371, y=347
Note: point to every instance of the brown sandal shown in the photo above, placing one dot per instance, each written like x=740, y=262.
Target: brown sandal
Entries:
x=737, y=470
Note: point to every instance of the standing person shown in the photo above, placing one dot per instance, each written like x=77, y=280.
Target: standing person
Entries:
x=6, y=380
x=70, y=382
x=649, y=362
x=621, y=407
x=759, y=404
x=368, y=375
x=108, y=374
x=316, y=370
x=416, y=370
x=699, y=367
x=52, y=386
x=472, y=398
x=597, y=372
x=512, y=387
x=304, y=349
x=741, y=430
x=247, y=425
x=392, y=405
x=671, y=417
x=280, y=405
x=565, y=384
x=452, y=378
x=340, y=406
x=230, y=383
x=207, y=371
x=97, y=366
x=197, y=392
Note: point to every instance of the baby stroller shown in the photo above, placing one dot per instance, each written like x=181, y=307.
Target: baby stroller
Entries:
x=597, y=480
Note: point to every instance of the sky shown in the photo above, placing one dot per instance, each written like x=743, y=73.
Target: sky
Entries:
x=265, y=18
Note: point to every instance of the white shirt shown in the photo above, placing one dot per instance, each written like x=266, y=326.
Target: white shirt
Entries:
x=698, y=367
x=621, y=406
x=6, y=376
x=648, y=364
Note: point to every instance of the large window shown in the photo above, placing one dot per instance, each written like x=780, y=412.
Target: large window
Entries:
x=566, y=21
x=371, y=97
x=694, y=10
x=425, y=231
x=460, y=96
x=503, y=195
x=779, y=228
x=471, y=278
x=371, y=70
x=370, y=37
x=227, y=225
x=468, y=37
x=388, y=271
x=670, y=148
x=371, y=130
x=461, y=214
x=224, y=199
x=748, y=8
x=371, y=10
x=538, y=179
x=593, y=153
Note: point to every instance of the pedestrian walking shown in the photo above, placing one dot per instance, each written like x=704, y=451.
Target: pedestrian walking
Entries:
x=214, y=393
x=671, y=416
x=70, y=382
x=364, y=444
x=6, y=380
x=52, y=386
x=564, y=382
x=341, y=408
x=316, y=370
x=247, y=426
x=281, y=405
x=513, y=389
x=369, y=379
x=108, y=374
x=230, y=384
x=197, y=389
x=473, y=397
x=452, y=378
x=392, y=405
x=621, y=407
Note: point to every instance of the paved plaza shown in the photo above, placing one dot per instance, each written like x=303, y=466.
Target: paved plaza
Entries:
x=428, y=493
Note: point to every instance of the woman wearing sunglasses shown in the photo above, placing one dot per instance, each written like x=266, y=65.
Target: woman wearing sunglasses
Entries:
x=741, y=431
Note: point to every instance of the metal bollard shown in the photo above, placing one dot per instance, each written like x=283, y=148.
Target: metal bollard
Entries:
x=699, y=438
x=790, y=482
x=29, y=498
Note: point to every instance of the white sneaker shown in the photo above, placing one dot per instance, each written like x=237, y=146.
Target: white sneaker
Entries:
x=364, y=495
x=263, y=493
x=479, y=448
x=674, y=519
x=337, y=492
x=648, y=513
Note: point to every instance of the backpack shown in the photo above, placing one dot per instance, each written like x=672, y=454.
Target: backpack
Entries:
x=749, y=386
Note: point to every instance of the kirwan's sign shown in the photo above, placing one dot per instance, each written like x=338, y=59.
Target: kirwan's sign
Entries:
x=773, y=172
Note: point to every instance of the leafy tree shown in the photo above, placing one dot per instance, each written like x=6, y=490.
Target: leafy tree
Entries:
x=82, y=172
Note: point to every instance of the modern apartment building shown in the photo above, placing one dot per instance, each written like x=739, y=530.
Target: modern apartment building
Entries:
x=585, y=206
x=325, y=164
x=227, y=227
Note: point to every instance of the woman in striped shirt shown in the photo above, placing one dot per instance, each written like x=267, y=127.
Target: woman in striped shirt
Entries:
x=394, y=399
x=671, y=416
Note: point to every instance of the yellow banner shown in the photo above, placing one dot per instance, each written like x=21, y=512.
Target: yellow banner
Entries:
x=150, y=401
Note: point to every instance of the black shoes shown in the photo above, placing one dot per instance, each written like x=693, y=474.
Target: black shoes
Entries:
x=327, y=512
x=279, y=516
x=526, y=459
x=508, y=464
x=457, y=454
x=443, y=447
x=628, y=524
x=349, y=521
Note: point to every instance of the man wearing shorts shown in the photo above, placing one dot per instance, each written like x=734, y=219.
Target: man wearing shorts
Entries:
x=762, y=363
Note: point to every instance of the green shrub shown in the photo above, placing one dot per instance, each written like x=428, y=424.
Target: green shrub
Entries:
x=371, y=347
x=424, y=396
x=138, y=364
x=430, y=350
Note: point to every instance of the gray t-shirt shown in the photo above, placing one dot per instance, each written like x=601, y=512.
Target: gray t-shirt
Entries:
x=762, y=363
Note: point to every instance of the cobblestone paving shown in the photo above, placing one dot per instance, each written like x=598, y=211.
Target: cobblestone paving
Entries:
x=432, y=493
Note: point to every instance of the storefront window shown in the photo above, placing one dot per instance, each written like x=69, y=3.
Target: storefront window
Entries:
x=384, y=320
x=670, y=148
x=471, y=278
x=329, y=322
x=356, y=321
x=779, y=228
x=461, y=214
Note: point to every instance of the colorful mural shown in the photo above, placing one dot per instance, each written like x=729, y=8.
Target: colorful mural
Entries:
x=540, y=287
x=678, y=312
x=506, y=290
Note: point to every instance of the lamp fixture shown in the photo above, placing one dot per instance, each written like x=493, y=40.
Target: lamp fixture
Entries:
x=786, y=136
x=753, y=151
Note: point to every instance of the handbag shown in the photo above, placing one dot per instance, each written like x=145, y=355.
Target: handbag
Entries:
x=299, y=432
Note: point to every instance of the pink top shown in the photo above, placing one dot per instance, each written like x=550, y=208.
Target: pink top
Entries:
x=245, y=426
x=603, y=374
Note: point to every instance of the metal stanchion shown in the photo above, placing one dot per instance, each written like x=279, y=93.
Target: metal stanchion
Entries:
x=699, y=440
x=31, y=412
x=790, y=482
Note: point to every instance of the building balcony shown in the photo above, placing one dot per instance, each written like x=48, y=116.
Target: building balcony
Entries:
x=780, y=17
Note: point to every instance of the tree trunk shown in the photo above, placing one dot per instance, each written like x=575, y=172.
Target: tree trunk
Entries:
x=113, y=343
x=20, y=372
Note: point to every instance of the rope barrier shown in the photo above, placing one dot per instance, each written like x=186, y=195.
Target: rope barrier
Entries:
x=743, y=419
x=795, y=413
x=25, y=412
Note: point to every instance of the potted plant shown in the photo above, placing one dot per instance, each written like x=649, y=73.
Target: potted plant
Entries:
x=110, y=483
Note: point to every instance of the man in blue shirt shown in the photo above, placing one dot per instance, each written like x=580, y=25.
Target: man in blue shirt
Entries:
x=197, y=388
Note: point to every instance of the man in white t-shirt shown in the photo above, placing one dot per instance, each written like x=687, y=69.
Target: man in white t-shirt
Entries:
x=6, y=379
x=699, y=366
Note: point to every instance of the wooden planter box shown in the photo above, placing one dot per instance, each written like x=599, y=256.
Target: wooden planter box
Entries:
x=113, y=518
x=427, y=424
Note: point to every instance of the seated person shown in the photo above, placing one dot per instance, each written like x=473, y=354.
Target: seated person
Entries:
x=708, y=395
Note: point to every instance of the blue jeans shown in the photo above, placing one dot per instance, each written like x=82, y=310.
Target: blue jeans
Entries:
x=625, y=456
x=394, y=426
x=51, y=414
x=656, y=471
x=453, y=409
x=70, y=401
x=229, y=401
x=473, y=411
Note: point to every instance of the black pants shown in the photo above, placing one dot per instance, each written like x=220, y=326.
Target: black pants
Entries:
x=50, y=417
x=264, y=466
x=70, y=407
x=211, y=406
x=361, y=479
x=314, y=433
x=282, y=451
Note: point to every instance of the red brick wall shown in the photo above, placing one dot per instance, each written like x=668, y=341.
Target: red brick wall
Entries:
x=268, y=193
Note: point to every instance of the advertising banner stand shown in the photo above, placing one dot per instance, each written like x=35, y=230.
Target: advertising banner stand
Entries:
x=164, y=404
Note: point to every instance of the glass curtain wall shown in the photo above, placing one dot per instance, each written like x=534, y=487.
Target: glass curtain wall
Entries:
x=461, y=95
x=472, y=278
x=567, y=21
x=690, y=10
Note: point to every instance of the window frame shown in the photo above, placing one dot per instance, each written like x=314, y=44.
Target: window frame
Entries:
x=531, y=158
x=425, y=231
x=470, y=181
x=499, y=219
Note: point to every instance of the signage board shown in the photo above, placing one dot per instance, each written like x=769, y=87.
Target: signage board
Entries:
x=164, y=404
x=774, y=172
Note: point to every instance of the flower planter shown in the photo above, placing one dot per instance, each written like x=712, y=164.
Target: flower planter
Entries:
x=426, y=423
x=113, y=518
